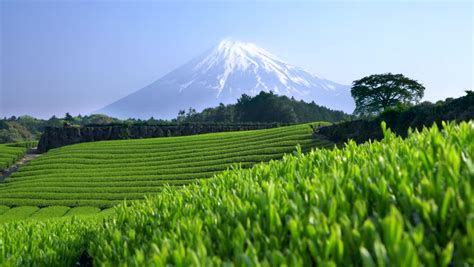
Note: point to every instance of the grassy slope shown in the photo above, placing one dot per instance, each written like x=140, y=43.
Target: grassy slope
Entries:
x=104, y=173
x=9, y=154
x=390, y=203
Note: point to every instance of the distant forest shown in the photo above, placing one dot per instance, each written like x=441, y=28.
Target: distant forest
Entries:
x=263, y=108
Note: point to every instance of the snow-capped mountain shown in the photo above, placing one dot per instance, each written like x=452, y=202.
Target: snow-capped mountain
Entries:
x=222, y=75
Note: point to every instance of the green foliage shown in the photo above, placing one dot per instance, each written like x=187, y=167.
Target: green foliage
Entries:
x=265, y=107
x=25, y=144
x=27, y=128
x=102, y=174
x=18, y=213
x=261, y=109
x=400, y=119
x=11, y=131
x=81, y=211
x=104, y=213
x=9, y=154
x=45, y=243
x=50, y=212
x=3, y=209
x=390, y=203
x=96, y=119
x=376, y=93
x=68, y=118
x=222, y=113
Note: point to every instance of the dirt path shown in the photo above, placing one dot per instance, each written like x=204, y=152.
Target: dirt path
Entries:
x=31, y=154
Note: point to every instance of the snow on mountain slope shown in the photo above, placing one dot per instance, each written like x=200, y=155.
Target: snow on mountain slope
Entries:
x=222, y=75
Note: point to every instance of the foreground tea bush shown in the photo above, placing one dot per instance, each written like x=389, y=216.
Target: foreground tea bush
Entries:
x=390, y=203
x=58, y=242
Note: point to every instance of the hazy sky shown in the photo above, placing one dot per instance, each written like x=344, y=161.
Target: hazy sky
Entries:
x=80, y=56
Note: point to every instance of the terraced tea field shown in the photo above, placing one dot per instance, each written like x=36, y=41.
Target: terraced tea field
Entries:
x=10, y=154
x=8, y=214
x=102, y=174
x=397, y=202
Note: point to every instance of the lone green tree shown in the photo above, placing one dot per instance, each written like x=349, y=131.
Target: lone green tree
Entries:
x=68, y=118
x=181, y=116
x=375, y=93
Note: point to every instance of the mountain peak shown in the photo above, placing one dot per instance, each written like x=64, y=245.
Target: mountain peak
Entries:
x=233, y=45
x=237, y=56
x=235, y=48
x=228, y=42
x=222, y=75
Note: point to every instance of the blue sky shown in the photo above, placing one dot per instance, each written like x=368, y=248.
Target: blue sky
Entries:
x=78, y=56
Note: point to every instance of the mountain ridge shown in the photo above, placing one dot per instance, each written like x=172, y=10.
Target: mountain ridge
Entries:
x=222, y=75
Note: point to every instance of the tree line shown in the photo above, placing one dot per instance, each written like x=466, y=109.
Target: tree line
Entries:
x=264, y=107
x=373, y=95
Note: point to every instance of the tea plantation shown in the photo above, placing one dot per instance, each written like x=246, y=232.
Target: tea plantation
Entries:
x=102, y=174
x=10, y=154
x=397, y=202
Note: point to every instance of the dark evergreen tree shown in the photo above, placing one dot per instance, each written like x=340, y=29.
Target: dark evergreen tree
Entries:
x=68, y=118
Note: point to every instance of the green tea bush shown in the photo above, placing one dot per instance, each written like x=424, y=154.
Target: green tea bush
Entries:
x=103, y=174
x=57, y=242
x=49, y=212
x=18, y=213
x=80, y=211
x=390, y=203
x=9, y=154
x=25, y=144
x=3, y=209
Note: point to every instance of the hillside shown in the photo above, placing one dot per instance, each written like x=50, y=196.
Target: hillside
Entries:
x=265, y=110
x=10, y=153
x=398, y=202
x=54, y=137
x=401, y=120
x=102, y=174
